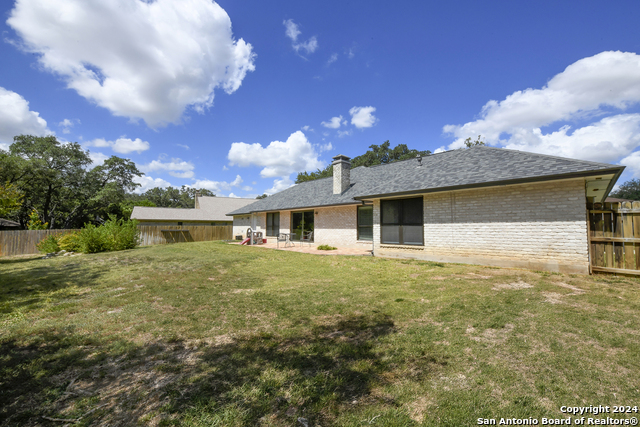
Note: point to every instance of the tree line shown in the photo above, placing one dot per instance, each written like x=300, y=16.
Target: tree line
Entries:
x=53, y=185
x=376, y=155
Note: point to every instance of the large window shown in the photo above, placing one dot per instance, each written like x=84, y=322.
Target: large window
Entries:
x=301, y=222
x=401, y=222
x=273, y=224
x=365, y=222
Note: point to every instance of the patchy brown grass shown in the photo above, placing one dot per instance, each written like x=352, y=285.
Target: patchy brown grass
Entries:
x=205, y=334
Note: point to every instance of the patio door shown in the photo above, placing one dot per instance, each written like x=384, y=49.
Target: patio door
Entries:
x=301, y=222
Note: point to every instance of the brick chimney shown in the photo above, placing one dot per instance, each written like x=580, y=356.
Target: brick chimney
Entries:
x=341, y=173
x=197, y=196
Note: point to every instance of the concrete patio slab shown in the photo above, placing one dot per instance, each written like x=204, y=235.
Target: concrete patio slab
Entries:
x=312, y=249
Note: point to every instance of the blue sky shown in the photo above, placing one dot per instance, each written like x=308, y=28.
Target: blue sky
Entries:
x=239, y=96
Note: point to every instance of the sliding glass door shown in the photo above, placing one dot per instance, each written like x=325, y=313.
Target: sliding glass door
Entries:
x=301, y=222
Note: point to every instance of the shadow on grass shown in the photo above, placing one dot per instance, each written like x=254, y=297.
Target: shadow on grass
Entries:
x=319, y=374
x=28, y=286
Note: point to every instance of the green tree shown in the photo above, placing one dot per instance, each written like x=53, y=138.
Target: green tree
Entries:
x=629, y=190
x=10, y=199
x=35, y=223
x=376, y=155
x=170, y=197
x=264, y=196
x=469, y=143
x=56, y=179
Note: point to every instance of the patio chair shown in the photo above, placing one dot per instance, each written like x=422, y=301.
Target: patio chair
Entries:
x=282, y=237
x=306, y=237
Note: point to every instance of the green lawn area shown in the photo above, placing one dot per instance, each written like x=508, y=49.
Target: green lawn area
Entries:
x=210, y=334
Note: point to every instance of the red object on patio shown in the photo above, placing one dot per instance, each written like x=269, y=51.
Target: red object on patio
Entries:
x=245, y=241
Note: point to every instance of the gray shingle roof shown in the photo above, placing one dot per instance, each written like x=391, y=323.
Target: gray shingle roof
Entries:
x=211, y=209
x=474, y=167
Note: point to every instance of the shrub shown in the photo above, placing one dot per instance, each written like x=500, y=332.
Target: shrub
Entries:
x=91, y=240
x=70, y=242
x=48, y=244
x=113, y=235
x=35, y=223
x=120, y=234
x=326, y=248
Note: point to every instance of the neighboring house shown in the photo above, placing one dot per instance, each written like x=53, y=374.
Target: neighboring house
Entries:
x=480, y=205
x=7, y=224
x=207, y=211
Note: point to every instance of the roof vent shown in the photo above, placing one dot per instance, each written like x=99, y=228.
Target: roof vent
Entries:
x=419, y=160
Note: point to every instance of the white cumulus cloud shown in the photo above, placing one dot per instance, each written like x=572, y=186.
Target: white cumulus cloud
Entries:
x=279, y=185
x=278, y=159
x=292, y=31
x=334, y=122
x=362, y=117
x=176, y=167
x=633, y=162
x=147, y=183
x=121, y=145
x=217, y=186
x=67, y=124
x=147, y=60
x=97, y=159
x=17, y=119
x=595, y=89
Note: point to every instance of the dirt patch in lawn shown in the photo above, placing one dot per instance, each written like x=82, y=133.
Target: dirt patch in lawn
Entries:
x=515, y=285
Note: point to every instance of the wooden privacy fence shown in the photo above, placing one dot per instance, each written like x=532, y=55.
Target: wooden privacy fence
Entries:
x=159, y=234
x=22, y=242
x=614, y=237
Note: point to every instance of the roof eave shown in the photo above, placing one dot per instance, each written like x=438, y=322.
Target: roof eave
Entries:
x=613, y=182
x=617, y=170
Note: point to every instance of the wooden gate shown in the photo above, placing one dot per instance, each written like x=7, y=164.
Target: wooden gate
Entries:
x=614, y=237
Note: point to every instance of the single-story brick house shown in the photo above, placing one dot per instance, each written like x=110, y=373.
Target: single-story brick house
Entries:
x=207, y=211
x=482, y=205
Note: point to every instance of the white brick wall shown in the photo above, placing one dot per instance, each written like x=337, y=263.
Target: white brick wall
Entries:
x=540, y=226
x=334, y=226
x=337, y=226
x=240, y=225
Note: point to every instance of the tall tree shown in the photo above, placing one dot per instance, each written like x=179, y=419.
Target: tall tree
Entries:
x=469, y=143
x=10, y=199
x=376, y=155
x=56, y=180
x=629, y=190
x=171, y=197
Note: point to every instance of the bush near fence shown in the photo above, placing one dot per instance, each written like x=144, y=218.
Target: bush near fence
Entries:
x=23, y=242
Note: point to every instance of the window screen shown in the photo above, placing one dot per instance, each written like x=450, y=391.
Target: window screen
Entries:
x=365, y=223
x=402, y=221
x=273, y=224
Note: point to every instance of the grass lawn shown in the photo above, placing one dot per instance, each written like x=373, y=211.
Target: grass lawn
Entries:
x=209, y=334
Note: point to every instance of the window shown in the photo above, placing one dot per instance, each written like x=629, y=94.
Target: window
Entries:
x=301, y=222
x=179, y=222
x=402, y=222
x=273, y=224
x=365, y=222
